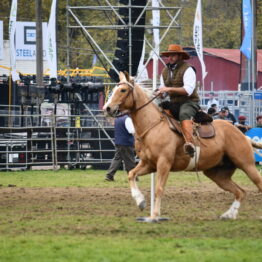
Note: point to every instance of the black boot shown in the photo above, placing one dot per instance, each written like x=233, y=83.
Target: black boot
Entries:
x=109, y=178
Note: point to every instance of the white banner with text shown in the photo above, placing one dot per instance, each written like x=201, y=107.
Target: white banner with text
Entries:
x=26, y=40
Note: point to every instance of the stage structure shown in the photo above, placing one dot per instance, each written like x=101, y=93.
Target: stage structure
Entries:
x=132, y=23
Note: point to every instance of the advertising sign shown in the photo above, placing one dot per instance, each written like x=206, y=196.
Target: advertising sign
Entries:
x=256, y=135
x=258, y=95
x=26, y=40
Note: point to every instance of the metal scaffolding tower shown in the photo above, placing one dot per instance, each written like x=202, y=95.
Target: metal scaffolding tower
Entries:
x=113, y=20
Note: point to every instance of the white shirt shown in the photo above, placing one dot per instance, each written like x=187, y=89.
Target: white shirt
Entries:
x=189, y=79
x=129, y=126
x=211, y=102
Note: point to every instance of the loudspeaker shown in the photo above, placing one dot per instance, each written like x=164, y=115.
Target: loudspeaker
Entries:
x=133, y=2
x=123, y=44
x=136, y=33
x=135, y=13
x=121, y=57
x=4, y=90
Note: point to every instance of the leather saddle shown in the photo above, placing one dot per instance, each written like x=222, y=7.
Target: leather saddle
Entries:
x=203, y=130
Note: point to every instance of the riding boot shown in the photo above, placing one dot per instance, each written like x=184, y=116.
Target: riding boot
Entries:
x=187, y=129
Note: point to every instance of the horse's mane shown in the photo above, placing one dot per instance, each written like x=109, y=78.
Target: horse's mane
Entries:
x=150, y=94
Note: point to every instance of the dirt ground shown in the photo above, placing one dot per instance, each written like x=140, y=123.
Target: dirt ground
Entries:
x=182, y=204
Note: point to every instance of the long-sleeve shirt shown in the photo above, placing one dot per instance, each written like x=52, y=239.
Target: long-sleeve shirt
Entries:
x=189, y=79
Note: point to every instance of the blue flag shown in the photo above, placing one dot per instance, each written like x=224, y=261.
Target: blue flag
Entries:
x=247, y=19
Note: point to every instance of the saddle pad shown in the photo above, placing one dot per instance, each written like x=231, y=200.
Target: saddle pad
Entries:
x=203, y=131
x=206, y=131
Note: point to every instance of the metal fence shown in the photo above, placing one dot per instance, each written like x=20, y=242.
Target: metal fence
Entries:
x=30, y=139
x=36, y=136
x=245, y=103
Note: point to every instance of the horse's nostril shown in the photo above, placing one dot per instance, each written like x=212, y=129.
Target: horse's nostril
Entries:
x=108, y=109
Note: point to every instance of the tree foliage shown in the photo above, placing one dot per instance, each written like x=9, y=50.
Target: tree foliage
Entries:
x=221, y=26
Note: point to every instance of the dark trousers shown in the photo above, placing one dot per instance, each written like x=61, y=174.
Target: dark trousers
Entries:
x=188, y=110
x=123, y=153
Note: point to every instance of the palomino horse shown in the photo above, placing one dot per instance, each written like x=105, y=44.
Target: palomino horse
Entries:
x=161, y=150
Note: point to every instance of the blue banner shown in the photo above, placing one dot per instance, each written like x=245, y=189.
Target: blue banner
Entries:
x=247, y=20
x=258, y=95
x=256, y=135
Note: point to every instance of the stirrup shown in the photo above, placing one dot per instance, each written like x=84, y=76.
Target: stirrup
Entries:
x=189, y=149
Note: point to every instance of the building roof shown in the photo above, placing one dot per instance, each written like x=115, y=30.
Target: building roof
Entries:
x=233, y=55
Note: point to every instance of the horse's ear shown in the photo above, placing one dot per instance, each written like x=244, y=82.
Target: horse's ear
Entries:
x=132, y=80
x=122, y=76
x=127, y=76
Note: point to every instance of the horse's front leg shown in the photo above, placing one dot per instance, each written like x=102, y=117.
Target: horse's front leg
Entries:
x=139, y=170
x=163, y=168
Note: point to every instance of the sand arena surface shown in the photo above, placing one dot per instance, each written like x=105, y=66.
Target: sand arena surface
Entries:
x=179, y=204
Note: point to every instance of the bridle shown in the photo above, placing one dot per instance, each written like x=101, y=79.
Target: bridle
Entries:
x=131, y=91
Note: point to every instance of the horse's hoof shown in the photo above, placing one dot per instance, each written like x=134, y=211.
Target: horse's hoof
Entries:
x=147, y=219
x=152, y=220
x=227, y=217
x=142, y=205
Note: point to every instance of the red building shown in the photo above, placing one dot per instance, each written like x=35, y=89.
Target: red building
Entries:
x=222, y=65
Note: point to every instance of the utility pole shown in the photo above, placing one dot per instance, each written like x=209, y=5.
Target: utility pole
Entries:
x=253, y=67
x=67, y=42
x=254, y=45
x=39, y=44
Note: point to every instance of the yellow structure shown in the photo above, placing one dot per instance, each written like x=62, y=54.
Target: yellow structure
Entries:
x=95, y=71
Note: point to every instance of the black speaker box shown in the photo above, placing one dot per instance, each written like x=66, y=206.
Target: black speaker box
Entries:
x=121, y=59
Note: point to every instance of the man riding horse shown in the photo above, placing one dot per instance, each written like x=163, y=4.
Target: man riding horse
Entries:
x=178, y=79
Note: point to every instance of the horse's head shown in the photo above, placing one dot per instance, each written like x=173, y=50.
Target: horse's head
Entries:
x=122, y=97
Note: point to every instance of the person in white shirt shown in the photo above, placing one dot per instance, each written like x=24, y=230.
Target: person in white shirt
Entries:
x=212, y=101
x=178, y=80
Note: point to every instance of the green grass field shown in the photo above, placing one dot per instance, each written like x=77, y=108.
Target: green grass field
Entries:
x=77, y=216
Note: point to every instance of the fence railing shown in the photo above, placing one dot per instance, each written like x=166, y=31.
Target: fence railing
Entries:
x=31, y=135
x=247, y=103
x=28, y=140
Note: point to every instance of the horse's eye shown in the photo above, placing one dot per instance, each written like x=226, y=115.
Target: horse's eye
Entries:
x=123, y=90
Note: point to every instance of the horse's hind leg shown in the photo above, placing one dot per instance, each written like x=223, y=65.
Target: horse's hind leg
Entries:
x=244, y=160
x=253, y=174
x=139, y=170
x=222, y=177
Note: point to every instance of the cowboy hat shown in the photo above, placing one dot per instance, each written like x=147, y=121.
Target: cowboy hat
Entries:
x=176, y=49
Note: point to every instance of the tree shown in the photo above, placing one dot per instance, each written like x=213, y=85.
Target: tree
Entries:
x=221, y=26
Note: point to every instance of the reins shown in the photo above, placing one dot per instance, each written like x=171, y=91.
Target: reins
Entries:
x=151, y=100
x=136, y=109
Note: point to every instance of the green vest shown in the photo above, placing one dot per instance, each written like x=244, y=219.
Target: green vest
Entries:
x=177, y=81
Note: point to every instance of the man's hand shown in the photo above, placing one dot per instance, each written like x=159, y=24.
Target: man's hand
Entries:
x=163, y=89
x=170, y=90
x=162, y=92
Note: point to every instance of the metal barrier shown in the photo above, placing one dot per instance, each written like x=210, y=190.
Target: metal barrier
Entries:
x=35, y=136
x=245, y=103
x=28, y=140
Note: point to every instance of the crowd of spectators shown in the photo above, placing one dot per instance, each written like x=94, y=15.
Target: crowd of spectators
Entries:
x=224, y=113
